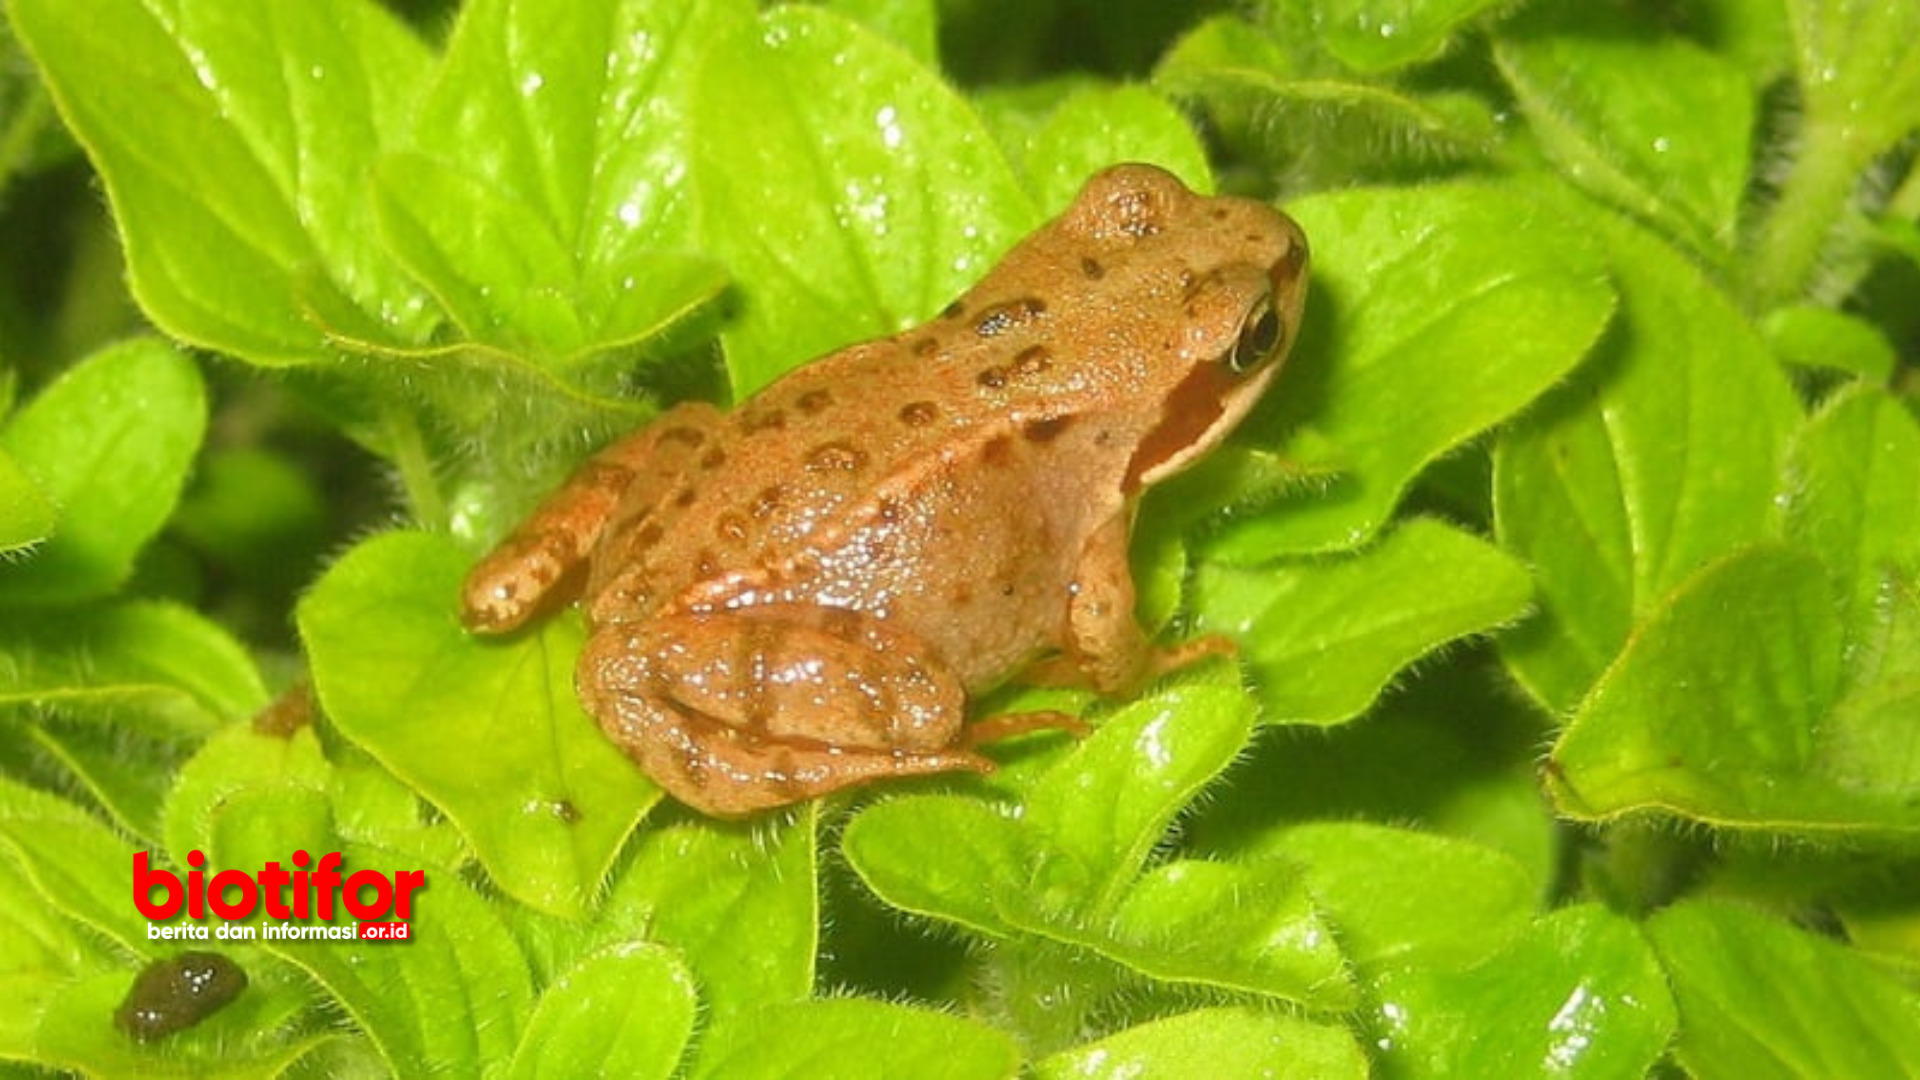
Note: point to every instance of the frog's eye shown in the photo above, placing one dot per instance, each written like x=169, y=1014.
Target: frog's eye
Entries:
x=1260, y=335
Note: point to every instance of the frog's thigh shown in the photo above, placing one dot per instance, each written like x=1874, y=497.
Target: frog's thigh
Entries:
x=517, y=577
x=737, y=711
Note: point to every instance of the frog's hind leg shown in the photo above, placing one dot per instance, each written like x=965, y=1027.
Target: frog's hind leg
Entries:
x=532, y=566
x=740, y=711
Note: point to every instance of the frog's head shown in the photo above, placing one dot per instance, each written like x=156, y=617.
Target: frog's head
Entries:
x=1165, y=315
x=1228, y=279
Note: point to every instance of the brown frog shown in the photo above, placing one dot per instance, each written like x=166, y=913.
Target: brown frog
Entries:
x=802, y=594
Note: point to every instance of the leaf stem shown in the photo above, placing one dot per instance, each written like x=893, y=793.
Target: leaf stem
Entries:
x=418, y=482
x=16, y=140
x=1792, y=235
x=1904, y=205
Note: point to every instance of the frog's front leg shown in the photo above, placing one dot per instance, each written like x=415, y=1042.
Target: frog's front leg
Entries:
x=737, y=711
x=1106, y=649
x=520, y=575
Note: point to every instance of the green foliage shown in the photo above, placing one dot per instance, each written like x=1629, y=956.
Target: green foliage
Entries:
x=1600, y=437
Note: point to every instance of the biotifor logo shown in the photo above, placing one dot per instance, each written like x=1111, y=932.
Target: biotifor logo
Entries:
x=309, y=891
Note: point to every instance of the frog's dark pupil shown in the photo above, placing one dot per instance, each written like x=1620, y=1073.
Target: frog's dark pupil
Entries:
x=1257, y=341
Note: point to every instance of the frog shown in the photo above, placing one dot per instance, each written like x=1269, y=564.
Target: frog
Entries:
x=807, y=592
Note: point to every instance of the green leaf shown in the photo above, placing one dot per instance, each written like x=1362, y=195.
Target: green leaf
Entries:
x=1579, y=993
x=367, y=805
x=1103, y=807
x=623, y=1011
x=490, y=731
x=696, y=886
x=1436, y=313
x=46, y=954
x=1659, y=455
x=1759, y=998
x=250, y=799
x=1249, y=926
x=854, y=1038
x=913, y=25
x=1223, y=1041
x=151, y=666
x=1817, y=337
x=1098, y=127
x=1452, y=751
x=561, y=238
x=173, y=670
x=1656, y=126
x=1095, y=813
x=27, y=516
x=1375, y=36
x=1727, y=706
x=77, y=866
x=1066, y=868
x=108, y=444
x=1325, y=637
x=398, y=993
x=855, y=192
x=234, y=141
x=982, y=851
x=75, y=941
x=1321, y=131
x=1851, y=494
x=1859, y=95
x=1400, y=898
x=1856, y=70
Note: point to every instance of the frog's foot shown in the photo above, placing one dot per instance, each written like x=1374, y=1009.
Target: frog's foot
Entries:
x=1193, y=650
x=739, y=711
x=1010, y=725
x=1074, y=672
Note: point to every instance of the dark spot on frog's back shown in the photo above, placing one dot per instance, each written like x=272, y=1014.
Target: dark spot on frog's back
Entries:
x=769, y=499
x=1092, y=268
x=713, y=459
x=813, y=402
x=926, y=347
x=1045, y=431
x=836, y=456
x=919, y=413
x=842, y=623
x=611, y=476
x=1000, y=318
x=998, y=452
x=755, y=421
x=690, y=438
x=1030, y=362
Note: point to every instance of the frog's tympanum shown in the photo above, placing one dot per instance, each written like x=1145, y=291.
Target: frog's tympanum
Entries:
x=801, y=594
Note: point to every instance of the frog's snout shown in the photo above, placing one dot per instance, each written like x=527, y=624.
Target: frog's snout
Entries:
x=1288, y=272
